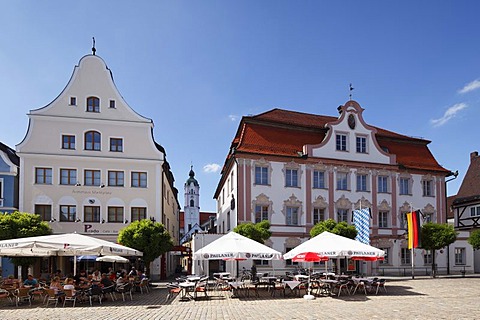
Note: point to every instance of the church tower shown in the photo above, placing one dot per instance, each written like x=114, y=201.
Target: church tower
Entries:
x=192, y=204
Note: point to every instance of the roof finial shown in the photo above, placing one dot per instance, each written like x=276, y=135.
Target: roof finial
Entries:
x=93, y=48
x=351, y=89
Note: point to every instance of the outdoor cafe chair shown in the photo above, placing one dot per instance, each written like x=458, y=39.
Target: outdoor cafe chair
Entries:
x=69, y=296
x=173, y=290
x=4, y=294
x=95, y=291
x=125, y=289
x=110, y=290
x=143, y=285
x=22, y=294
x=50, y=296
x=202, y=287
x=380, y=283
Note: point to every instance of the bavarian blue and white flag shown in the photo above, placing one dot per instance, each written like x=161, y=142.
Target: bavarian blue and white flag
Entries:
x=361, y=220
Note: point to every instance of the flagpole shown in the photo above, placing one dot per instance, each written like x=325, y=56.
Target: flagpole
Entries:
x=412, y=255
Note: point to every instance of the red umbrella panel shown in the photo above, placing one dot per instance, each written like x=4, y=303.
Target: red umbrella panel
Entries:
x=367, y=258
x=309, y=257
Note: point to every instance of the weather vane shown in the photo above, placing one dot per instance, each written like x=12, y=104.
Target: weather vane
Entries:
x=93, y=48
x=351, y=89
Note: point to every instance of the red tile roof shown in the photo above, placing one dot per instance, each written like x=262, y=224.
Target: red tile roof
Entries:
x=284, y=133
x=470, y=188
x=204, y=217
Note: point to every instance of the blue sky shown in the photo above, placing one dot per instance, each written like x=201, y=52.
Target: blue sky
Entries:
x=196, y=67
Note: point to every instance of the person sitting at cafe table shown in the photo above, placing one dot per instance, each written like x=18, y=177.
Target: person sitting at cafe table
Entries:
x=96, y=276
x=81, y=277
x=69, y=285
x=133, y=272
x=122, y=279
x=105, y=281
x=30, y=281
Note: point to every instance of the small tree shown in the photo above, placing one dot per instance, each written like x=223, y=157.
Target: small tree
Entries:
x=436, y=236
x=21, y=225
x=474, y=239
x=255, y=231
x=341, y=228
x=147, y=236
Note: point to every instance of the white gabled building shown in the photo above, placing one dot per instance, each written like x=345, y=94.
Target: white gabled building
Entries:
x=296, y=169
x=89, y=162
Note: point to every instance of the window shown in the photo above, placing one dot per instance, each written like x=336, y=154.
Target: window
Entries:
x=115, y=178
x=427, y=186
x=192, y=203
x=318, y=179
x=404, y=186
x=68, y=142
x=43, y=175
x=291, y=178
x=92, y=178
x=92, y=141
x=427, y=257
x=139, y=213
x=341, y=142
x=44, y=211
x=342, y=181
x=139, y=179
x=318, y=215
x=386, y=256
x=261, y=262
x=73, y=101
x=475, y=211
x=342, y=215
x=427, y=217
x=405, y=256
x=261, y=175
x=1, y=192
x=116, y=144
x=361, y=144
x=112, y=104
x=261, y=213
x=93, y=104
x=383, y=219
x=68, y=213
x=231, y=181
x=289, y=262
x=91, y=214
x=382, y=184
x=460, y=256
x=115, y=214
x=228, y=221
x=68, y=176
x=292, y=216
x=361, y=182
x=403, y=220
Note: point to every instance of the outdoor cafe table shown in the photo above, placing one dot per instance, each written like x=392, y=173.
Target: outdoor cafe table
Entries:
x=292, y=285
x=222, y=275
x=186, y=288
x=236, y=286
x=300, y=277
x=328, y=285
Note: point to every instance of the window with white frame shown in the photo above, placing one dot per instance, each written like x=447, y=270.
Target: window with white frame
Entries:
x=289, y=262
x=403, y=220
x=386, y=256
x=362, y=182
x=318, y=179
x=261, y=213
x=68, y=213
x=342, y=181
x=475, y=211
x=405, y=256
x=427, y=257
x=383, y=219
x=93, y=104
x=318, y=215
x=382, y=184
x=361, y=144
x=44, y=211
x=138, y=179
x=43, y=175
x=92, y=177
x=68, y=176
x=228, y=221
x=91, y=213
x=404, y=184
x=460, y=256
x=291, y=178
x=116, y=178
x=342, y=215
x=231, y=181
x=341, y=142
x=1, y=192
x=427, y=217
x=261, y=175
x=427, y=187
x=291, y=216
x=115, y=214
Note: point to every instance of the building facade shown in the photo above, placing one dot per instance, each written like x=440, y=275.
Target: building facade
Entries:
x=295, y=170
x=90, y=163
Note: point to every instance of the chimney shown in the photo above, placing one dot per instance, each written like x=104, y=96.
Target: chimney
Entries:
x=473, y=155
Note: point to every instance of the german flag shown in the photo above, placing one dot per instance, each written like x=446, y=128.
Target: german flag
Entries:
x=414, y=228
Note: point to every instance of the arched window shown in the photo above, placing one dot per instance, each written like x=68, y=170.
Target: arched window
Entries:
x=92, y=140
x=93, y=104
x=192, y=203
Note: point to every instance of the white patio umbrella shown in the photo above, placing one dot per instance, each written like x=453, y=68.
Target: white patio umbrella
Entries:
x=113, y=259
x=332, y=245
x=234, y=246
x=69, y=244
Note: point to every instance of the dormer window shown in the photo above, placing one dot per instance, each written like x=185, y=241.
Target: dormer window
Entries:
x=112, y=104
x=93, y=104
x=361, y=144
x=73, y=101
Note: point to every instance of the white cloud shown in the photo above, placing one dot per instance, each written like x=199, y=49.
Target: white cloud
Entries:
x=211, y=167
x=474, y=85
x=449, y=114
x=232, y=117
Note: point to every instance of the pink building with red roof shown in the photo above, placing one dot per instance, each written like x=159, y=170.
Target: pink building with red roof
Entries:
x=296, y=169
